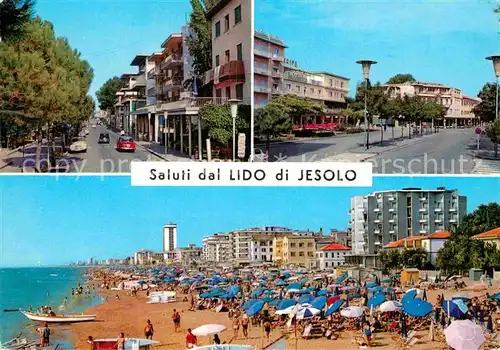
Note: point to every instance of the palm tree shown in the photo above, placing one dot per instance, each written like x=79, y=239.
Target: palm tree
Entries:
x=13, y=15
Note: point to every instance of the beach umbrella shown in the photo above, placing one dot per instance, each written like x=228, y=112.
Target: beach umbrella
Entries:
x=408, y=297
x=331, y=300
x=388, y=281
x=323, y=292
x=376, y=289
x=464, y=335
x=334, y=307
x=347, y=288
x=255, y=308
x=495, y=296
x=293, y=279
x=281, y=283
x=460, y=296
x=452, y=309
x=461, y=305
x=352, y=311
x=390, y=306
x=248, y=304
x=319, y=302
x=307, y=312
x=371, y=285
x=417, y=308
x=208, y=329
x=296, y=285
x=286, y=303
x=376, y=300
x=305, y=299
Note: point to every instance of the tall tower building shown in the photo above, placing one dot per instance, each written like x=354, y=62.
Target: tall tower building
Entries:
x=169, y=237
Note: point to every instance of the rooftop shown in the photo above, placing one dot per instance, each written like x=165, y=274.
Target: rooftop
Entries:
x=139, y=59
x=439, y=235
x=269, y=38
x=335, y=246
x=491, y=234
x=216, y=8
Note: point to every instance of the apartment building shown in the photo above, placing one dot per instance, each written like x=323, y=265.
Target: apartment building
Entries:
x=217, y=248
x=449, y=97
x=331, y=256
x=231, y=50
x=269, y=56
x=169, y=237
x=128, y=100
x=386, y=216
x=296, y=250
x=188, y=256
x=468, y=104
x=147, y=257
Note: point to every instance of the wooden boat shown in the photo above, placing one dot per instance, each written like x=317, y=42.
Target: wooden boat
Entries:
x=59, y=318
x=130, y=343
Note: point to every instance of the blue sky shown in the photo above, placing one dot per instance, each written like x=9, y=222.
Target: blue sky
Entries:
x=54, y=221
x=109, y=33
x=440, y=41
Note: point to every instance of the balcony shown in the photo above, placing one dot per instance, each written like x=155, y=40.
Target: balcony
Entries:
x=391, y=199
x=453, y=221
x=138, y=83
x=232, y=72
x=376, y=210
x=438, y=220
x=277, y=91
x=438, y=210
x=391, y=221
x=422, y=220
x=171, y=83
x=277, y=74
x=151, y=73
x=263, y=89
x=377, y=221
x=278, y=58
x=376, y=231
x=422, y=199
x=391, y=232
x=453, y=210
x=262, y=53
x=171, y=60
x=422, y=210
x=392, y=210
x=260, y=70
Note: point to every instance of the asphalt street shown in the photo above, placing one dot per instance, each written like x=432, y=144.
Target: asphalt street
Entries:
x=104, y=158
x=445, y=152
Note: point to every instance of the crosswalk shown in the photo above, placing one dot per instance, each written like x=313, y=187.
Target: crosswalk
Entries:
x=485, y=166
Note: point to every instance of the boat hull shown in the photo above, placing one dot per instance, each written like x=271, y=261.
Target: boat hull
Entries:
x=59, y=319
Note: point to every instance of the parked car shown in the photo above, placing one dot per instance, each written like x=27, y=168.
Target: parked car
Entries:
x=125, y=143
x=78, y=144
x=94, y=126
x=103, y=138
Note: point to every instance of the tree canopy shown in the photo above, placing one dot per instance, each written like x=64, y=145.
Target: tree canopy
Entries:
x=272, y=120
x=394, y=259
x=14, y=14
x=485, y=110
x=484, y=218
x=106, y=95
x=401, y=79
x=200, y=43
x=219, y=122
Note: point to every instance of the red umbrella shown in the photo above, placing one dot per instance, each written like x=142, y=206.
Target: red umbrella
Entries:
x=331, y=300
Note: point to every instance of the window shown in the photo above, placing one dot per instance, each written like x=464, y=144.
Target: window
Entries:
x=292, y=245
x=237, y=15
x=301, y=245
x=228, y=92
x=226, y=23
x=217, y=29
x=218, y=93
x=239, y=91
x=309, y=245
x=310, y=254
x=217, y=61
x=228, y=56
x=301, y=253
x=292, y=253
x=239, y=52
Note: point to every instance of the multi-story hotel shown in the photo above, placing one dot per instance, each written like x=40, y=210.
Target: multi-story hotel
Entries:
x=386, y=216
x=269, y=56
x=274, y=75
x=449, y=97
x=217, y=248
x=231, y=50
x=295, y=250
x=169, y=237
x=128, y=100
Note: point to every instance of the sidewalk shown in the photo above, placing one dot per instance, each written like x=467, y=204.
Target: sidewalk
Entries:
x=159, y=151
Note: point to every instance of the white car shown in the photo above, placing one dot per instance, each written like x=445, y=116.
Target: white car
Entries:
x=94, y=126
x=78, y=145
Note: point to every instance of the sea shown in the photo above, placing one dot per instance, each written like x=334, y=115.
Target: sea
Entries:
x=21, y=288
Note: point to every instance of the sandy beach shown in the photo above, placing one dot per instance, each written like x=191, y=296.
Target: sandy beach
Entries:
x=130, y=313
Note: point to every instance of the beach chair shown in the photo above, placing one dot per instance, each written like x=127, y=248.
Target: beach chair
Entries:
x=307, y=332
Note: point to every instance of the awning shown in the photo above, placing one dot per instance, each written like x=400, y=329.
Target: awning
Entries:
x=145, y=110
x=227, y=74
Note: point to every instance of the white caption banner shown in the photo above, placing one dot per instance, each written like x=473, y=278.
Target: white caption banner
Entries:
x=338, y=174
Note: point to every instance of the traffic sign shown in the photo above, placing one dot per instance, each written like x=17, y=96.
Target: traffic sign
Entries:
x=479, y=131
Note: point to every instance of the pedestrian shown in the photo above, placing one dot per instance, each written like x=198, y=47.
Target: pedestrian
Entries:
x=45, y=336
x=120, y=343
x=267, y=329
x=148, y=330
x=191, y=340
x=236, y=327
x=216, y=339
x=176, y=317
x=244, y=325
x=92, y=343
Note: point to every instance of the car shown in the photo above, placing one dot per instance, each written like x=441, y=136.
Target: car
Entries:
x=94, y=126
x=78, y=144
x=103, y=138
x=125, y=143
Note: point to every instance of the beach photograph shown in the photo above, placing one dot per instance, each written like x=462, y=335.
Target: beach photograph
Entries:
x=408, y=262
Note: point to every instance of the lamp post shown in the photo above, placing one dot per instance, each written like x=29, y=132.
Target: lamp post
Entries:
x=366, y=65
x=234, y=112
x=496, y=66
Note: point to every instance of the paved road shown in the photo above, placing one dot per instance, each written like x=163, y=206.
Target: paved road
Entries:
x=104, y=158
x=443, y=153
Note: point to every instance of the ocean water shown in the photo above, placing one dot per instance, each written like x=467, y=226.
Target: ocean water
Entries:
x=22, y=287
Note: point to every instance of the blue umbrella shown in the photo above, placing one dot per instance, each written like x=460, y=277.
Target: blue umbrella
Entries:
x=307, y=313
x=248, y=304
x=206, y=295
x=323, y=292
x=452, y=309
x=376, y=300
x=296, y=285
x=319, y=302
x=371, y=285
x=255, y=308
x=281, y=283
x=376, y=289
x=417, y=308
x=461, y=305
x=257, y=293
x=286, y=303
x=334, y=307
x=495, y=296
x=275, y=302
x=408, y=297
x=306, y=299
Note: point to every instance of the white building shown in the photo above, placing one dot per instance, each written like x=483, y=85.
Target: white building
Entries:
x=189, y=255
x=331, y=256
x=169, y=237
x=147, y=257
x=433, y=243
x=387, y=216
x=217, y=248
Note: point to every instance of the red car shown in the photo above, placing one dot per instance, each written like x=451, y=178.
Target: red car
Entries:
x=125, y=143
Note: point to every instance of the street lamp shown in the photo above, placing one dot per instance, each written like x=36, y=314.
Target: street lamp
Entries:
x=496, y=66
x=234, y=111
x=366, y=65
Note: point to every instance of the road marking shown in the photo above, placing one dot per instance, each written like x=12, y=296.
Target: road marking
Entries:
x=486, y=166
x=348, y=157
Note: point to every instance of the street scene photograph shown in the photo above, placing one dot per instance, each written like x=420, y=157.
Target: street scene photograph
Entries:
x=101, y=87
x=390, y=83
x=406, y=263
